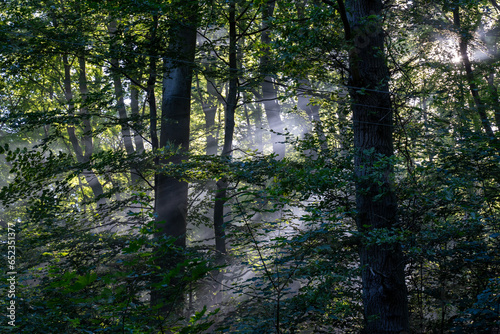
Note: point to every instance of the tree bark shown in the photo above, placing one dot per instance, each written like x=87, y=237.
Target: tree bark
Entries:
x=384, y=290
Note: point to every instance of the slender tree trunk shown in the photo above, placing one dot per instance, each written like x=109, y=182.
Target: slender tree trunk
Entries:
x=151, y=101
x=120, y=106
x=82, y=155
x=134, y=107
x=495, y=101
x=269, y=91
x=257, y=116
x=151, y=84
x=210, y=111
x=384, y=290
x=209, y=107
x=463, y=44
x=222, y=184
x=490, y=41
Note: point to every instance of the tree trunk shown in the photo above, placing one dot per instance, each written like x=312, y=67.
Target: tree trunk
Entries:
x=481, y=107
x=384, y=290
x=491, y=41
x=82, y=156
x=222, y=184
x=269, y=91
x=171, y=194
x=171, y=197
x=134, y=107
x=151, y=84
x=257, y=116
x=495, y=101
x=210, y=110
x=120, y=105
x=209, y=107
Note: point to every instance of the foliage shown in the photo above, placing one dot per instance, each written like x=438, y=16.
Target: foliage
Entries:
x=80, y=192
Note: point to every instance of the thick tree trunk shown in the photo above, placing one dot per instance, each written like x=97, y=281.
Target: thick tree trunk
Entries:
x=269, y=91
x=384, y=290
x=171, y=194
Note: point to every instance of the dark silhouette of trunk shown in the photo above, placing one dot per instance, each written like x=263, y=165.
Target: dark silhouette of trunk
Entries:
x=120, y=105
x=269, y=91
x=82, y=155
x=171, y=197
x=222, y=184
x=469, y=74
x=151, y=83
x=384, y=290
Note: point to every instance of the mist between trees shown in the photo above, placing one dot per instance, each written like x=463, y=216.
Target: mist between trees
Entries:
x=250, y=166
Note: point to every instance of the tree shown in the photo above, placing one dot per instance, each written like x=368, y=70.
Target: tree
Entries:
x=269, y=90
x=384, y=289
x=463, y=45
x=171, y=194
x=322, y=239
